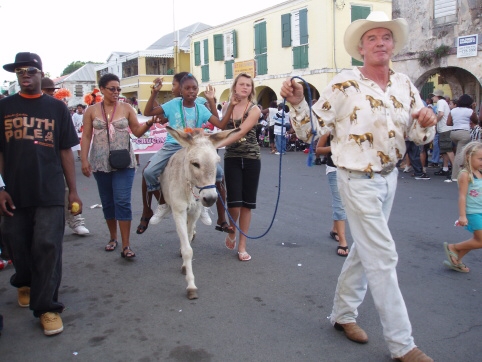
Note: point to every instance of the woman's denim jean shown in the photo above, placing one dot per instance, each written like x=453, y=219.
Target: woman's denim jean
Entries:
x=157, y=164
x=336, y=204
x=115, y=193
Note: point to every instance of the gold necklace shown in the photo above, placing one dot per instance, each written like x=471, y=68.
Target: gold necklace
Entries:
x=108, y=116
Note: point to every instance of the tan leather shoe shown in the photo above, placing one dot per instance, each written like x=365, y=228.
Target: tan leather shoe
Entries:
x=353, y=332
x=51, y=323
x=415, y=355
x=24, y=297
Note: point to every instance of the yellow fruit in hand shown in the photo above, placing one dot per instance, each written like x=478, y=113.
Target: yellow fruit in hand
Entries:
x=75, y=207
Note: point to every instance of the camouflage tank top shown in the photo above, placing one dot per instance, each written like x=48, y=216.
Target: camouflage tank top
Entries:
x=246, y=147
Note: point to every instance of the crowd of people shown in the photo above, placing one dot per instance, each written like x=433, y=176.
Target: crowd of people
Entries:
x=99, y=133
x=34, y=217
x=457, y=125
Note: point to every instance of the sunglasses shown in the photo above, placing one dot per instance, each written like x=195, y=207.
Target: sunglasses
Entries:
x=113, y=89
x=29, y=71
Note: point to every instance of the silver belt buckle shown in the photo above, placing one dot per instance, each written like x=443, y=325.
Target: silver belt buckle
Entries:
x=386, y=170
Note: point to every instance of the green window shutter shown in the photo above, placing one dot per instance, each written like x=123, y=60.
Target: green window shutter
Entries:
x=235, y=44
x=256, y=31
x=358, y=12
x=206, y=52
x=261, y=64
x=229, y=65
x=257, y=49
x=286, y=30
x=300, y=57
x=304, y=57
x=218, y=41
x=426, y=90
x=356, y=63
x=205, y=73
x=296, y=58
x=303, y=26
x=197, y=53
x=264, y=40
x=260, y=43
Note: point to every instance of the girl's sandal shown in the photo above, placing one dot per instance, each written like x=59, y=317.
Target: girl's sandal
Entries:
x=225, y=227
x=141, y=228
x=129, y=254
x=111, y=245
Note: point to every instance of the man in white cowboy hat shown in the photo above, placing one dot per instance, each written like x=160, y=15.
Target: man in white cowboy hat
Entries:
x=36, y=136
x=371, y=109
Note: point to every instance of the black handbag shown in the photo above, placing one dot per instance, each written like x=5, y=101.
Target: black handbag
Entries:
x=118, y=159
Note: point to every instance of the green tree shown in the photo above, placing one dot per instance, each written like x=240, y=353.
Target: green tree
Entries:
x=72, y=67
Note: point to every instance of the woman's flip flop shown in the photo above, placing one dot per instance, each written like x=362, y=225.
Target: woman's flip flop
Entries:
x=244, y=256
x=230, y=243
x=344, y=248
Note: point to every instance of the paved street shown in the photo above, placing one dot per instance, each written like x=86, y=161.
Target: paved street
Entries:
x=273, y=308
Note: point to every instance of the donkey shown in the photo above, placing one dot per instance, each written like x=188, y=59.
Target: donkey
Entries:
x=187, y=184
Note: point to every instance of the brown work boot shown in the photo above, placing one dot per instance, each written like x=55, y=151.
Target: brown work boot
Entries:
x=24, y=296
x=353, y=332
x=51, y=323
x=415, y=355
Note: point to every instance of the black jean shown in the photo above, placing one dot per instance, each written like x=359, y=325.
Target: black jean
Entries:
x=33, y=237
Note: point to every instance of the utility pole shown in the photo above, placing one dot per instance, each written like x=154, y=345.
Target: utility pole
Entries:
x=175, y=47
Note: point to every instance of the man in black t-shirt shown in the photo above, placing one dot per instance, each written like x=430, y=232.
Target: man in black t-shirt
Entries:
x=36, y=136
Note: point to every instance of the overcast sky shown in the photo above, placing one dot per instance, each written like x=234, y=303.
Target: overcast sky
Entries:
x=63, y=31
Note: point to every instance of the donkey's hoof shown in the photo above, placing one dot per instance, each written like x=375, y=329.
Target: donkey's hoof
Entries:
x=192, y=294
x=183, y=270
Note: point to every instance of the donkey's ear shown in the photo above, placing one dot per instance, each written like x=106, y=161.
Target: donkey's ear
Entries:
x=217, y=138
x=184, y=139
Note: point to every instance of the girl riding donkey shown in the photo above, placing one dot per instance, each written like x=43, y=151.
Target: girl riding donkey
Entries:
x=182, y=113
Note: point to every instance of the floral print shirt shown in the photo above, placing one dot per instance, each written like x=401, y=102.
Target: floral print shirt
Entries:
x=368, y=125
x=118, y=139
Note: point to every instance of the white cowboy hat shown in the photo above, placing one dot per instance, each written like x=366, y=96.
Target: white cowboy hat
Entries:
x=437, y=92
x=376, y=19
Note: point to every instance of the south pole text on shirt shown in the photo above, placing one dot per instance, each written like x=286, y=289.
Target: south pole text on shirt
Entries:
x=31, y=128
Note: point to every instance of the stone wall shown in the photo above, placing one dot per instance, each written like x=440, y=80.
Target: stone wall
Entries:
x=427, y=35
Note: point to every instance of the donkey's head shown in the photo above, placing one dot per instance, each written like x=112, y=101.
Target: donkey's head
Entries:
x=201, y=161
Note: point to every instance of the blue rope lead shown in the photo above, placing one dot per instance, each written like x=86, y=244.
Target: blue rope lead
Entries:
x=309, y=163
